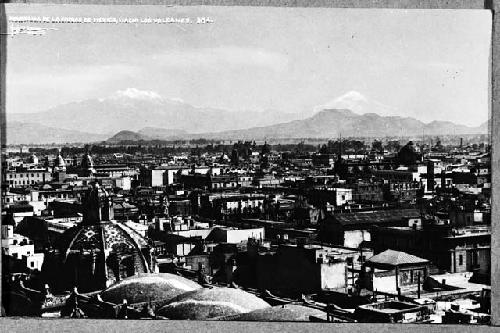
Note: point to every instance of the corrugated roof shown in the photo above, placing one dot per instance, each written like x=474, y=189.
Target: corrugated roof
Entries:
x=376, y=216
x=395, y=258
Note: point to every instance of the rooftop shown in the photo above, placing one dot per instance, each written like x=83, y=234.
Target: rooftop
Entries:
x=375, y=216
x=395, y=258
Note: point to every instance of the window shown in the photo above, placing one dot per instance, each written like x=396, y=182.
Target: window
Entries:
x=460, y=260
x=405, y=278
x=32, y=264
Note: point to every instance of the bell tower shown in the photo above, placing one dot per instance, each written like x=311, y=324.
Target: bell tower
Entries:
x=97, y=206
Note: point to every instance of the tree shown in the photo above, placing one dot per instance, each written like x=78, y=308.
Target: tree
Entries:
x=265, y=149
x=235, y=158
x=407, y=154
x=377, y=146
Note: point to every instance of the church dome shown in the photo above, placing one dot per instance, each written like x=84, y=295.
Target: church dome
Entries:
x=33, y=159
x=148, y=288
x=211, y=303
x=95, y=256
x=100, y=251
x=87, y=161
x=288, y=312
x=60, y=162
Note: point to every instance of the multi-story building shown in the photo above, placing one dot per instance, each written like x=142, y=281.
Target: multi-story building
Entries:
x=22, y=177
x=452, y=248
x=352, y=229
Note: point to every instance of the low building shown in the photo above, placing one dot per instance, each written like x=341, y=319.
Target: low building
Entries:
x=20, y=248
x=391, y=312
x=296, y=269
x=352, y=229
x=452, y=248
x=393, y=272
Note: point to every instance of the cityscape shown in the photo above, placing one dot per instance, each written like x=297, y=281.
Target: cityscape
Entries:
x=129, y=203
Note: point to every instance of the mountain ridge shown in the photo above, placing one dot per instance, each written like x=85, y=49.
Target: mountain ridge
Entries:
x=134, y=110
x=152, y=117
x=331, y=123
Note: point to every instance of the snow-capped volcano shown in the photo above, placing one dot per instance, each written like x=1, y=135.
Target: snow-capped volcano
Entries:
x=135, y=109
x=358, y=103
x=134, y=94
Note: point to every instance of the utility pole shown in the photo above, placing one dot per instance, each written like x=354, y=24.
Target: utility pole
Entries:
x=418, y=284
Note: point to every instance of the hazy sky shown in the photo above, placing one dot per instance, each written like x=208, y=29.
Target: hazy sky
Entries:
x=431, y=65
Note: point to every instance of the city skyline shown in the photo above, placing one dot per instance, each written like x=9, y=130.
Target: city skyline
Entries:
x=248, y=163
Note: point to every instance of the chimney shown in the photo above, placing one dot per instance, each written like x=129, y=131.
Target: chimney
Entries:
x=158, y=224
x=430, y=176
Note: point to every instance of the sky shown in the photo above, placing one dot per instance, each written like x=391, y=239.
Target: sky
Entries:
x=430, y=65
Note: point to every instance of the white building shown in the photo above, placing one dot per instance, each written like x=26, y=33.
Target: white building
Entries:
x=20, y=247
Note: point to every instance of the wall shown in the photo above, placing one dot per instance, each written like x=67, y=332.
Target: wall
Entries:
x=288, y=274
x=34, y=261
x=157, y=177
x=183, y=249
x=18, y=251
x=352, y=238
x=455, y=260
x=342, y=196
x=168, y=176
x=235, y=236
x=385, y=283
x=333, y=275
x=238, y=236
x=203, y=233
x=195, y=261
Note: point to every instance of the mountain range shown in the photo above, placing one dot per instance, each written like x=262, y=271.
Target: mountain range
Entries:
x=32, y=133
x=148, y=133
x=134, y=109
x=132, y=115
x=335, y=122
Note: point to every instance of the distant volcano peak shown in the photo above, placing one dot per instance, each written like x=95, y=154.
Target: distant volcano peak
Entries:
x=134, y=93
x=357, y=103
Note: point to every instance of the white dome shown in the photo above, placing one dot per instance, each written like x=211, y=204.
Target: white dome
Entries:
x=87, y=162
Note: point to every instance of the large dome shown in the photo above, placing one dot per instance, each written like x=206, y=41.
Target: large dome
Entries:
x=288, y=312
x=95, y=256
x=211, y=303
x=148, y=288
x=99, y=251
